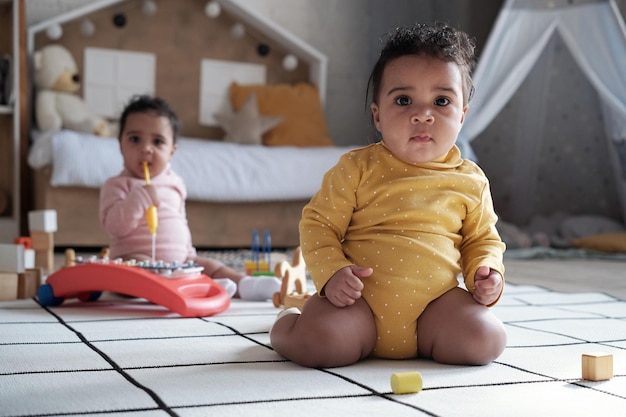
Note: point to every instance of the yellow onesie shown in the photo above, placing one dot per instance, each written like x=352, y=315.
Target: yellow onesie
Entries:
x=417, y=225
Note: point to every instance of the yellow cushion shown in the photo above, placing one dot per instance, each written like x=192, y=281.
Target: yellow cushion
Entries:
x=304, y=123
x=605, y=242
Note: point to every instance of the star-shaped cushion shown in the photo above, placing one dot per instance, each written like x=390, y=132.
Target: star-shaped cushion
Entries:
x=246, y=126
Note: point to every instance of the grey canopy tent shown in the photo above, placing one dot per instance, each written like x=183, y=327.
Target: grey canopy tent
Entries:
x=548, y=120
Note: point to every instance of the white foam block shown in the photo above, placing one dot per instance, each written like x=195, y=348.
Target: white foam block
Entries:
x=11, y=258
x=29, y=258
x=42, y=221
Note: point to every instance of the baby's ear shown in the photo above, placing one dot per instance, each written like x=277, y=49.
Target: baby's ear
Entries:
x=375, y=115
x=465, y=109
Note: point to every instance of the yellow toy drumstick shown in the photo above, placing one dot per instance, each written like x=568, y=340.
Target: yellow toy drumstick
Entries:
x=151, y=213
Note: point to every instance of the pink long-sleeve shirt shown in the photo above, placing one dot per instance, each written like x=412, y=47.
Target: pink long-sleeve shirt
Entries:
x=123, y=205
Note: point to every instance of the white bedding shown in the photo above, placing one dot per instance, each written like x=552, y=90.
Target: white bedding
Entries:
x=213, y=171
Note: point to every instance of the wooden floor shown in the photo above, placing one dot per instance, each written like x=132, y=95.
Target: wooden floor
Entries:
x=566, y=275
x=570, y=275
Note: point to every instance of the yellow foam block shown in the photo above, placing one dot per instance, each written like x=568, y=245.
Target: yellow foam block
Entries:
x=406, y=382
x=597, y=366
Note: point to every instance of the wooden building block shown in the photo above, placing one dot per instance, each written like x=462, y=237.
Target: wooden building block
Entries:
x=8, y=286
x=42, y=240
x=28, y=283
x=11, y=258
x=597, y=366
x=44, y=259
x=42, y=221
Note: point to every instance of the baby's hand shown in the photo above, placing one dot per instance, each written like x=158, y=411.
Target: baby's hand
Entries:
x=152, y=192
x=487, y=285
x=345, y=286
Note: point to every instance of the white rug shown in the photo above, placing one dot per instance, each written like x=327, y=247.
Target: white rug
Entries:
x=131, y=358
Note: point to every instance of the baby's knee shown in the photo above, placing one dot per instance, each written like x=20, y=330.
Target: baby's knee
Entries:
x=298, y=343
x=312, y=341
x=488, y=343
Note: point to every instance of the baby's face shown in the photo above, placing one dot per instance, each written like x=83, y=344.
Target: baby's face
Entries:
x=147, y=137
x=420, y=111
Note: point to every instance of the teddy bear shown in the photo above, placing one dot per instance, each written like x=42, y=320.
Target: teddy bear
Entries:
x=57, y=106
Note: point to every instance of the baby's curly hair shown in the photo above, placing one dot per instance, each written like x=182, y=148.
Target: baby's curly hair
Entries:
x=149, y=104
x=437, y=41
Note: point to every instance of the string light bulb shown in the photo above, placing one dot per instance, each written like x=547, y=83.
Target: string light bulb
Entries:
x=237, y=31
x=87, y=27
x=212, y=9
x=290, y=62
x=148, y=7
x=54, y=32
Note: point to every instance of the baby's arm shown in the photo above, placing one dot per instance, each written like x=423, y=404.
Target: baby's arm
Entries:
x=487, y=285
x=122, y=210
x=481, y=251
x=345, y=286
x=152, y=193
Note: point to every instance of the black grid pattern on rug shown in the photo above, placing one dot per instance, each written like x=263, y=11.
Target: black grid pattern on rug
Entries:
x=131, y=358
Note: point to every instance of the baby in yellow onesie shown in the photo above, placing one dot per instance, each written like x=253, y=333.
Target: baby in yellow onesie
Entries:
x=395, y=224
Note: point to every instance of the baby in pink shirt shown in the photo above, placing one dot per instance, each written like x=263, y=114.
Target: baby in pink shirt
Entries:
x=148, y=132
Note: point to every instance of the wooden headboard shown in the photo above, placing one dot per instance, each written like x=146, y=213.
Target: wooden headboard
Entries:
x=180, y=35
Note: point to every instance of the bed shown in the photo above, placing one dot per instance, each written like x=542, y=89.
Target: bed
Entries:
x=233, y=189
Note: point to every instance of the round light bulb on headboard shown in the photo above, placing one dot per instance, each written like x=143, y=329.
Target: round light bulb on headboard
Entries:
x=290, y=62
x=54, y=32
x=237, y=31
x=148, y=7
x=212, y=9
x=87, y=27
